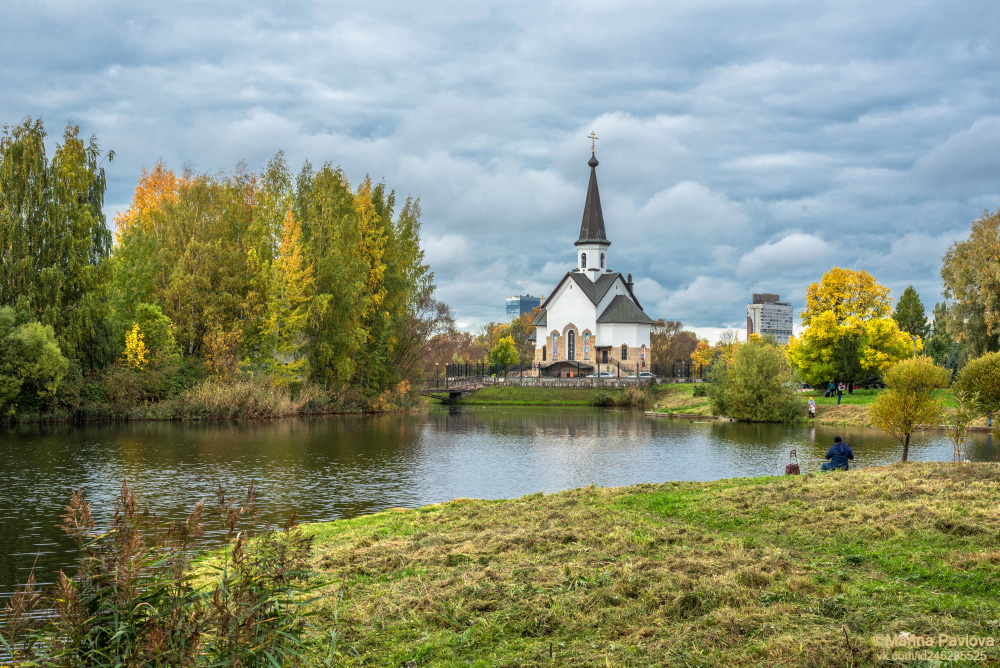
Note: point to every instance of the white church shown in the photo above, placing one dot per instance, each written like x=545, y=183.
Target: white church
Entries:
x=592, y=320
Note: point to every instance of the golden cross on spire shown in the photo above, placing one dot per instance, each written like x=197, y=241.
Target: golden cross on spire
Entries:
x=593, y=141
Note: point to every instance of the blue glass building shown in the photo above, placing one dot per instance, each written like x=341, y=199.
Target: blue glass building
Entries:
x=519, y=304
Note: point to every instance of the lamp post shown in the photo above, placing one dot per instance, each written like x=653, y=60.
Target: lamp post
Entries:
x=437, y=375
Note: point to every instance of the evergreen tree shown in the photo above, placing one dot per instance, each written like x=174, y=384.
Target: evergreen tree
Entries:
x=910, y=315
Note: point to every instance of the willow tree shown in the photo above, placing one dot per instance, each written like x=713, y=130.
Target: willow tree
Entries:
x=53, y=235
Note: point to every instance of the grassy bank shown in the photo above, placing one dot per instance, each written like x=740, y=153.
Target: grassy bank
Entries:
x=506, y=395
x=795, y=571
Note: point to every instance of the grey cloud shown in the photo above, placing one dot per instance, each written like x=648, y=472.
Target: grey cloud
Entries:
x=731, y=131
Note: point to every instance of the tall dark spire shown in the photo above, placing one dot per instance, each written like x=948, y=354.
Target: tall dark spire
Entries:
x=592, y=228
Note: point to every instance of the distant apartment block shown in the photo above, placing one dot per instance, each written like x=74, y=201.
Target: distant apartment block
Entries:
x=766, y=315
x=519, y=304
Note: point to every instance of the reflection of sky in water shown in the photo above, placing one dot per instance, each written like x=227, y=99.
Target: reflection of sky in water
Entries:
x=343, y=467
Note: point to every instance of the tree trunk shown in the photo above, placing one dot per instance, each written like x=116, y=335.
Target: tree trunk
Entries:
x=906, y=447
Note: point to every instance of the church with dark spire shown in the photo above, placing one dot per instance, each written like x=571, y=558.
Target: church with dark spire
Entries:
x=592, y=321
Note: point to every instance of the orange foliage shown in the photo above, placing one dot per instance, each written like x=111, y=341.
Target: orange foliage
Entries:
x=154, y=189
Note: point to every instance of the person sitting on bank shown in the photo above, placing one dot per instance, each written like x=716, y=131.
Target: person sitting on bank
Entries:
x=839, y=454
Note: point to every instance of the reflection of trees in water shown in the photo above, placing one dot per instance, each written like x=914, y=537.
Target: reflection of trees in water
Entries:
x=533, y=421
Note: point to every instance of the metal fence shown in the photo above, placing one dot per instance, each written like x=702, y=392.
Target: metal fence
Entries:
x=566, y=372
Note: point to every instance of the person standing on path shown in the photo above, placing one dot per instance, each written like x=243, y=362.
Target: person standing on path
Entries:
x=840, y=391
x=830, y=388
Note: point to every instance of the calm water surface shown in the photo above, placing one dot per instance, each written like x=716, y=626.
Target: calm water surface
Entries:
x=331, y=468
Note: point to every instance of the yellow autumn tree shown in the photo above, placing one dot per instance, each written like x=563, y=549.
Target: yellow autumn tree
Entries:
x=136, y=353
x=155, y=188
x=702, y=354
x=850, y=333
x=292, y=287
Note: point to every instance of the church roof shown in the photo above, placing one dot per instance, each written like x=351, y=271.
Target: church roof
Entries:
x=541, y=320
x=592, y=227
x=595, y=290
x=623, y=310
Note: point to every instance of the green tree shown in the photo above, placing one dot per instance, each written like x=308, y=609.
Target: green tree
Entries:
x=53, y=235
x=941, y=347
x=909, y=400
x=504, y=353
x=32, y=366
x=910, y=315
x=850, y=333
x=972, y=284
x=980, y=380
x=755, y=385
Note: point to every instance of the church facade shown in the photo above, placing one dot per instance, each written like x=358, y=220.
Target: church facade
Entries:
x=592, y=320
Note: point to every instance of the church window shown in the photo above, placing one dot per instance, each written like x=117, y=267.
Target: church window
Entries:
x=571, y=345
x=543, y=353
x=583, y=260
x=624, y=352
x=602, y=260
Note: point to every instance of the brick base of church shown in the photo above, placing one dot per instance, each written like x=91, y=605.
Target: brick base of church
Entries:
x=634, y=362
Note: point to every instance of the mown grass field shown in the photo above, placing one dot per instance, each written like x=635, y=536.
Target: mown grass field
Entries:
x=791, y=571
x=533, y=396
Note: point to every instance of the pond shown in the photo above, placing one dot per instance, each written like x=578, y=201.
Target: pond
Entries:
x=329, y=468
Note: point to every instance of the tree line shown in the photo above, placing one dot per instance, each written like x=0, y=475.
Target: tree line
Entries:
x=291, y=279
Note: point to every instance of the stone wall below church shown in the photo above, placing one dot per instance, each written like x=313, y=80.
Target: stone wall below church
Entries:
x=634, y=359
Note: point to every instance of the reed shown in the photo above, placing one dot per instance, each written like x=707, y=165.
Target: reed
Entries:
x=147, y=593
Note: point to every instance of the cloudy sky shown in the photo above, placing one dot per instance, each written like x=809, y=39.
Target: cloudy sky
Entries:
x=744, y=146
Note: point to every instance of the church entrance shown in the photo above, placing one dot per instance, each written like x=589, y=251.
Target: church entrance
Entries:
x=604, y=357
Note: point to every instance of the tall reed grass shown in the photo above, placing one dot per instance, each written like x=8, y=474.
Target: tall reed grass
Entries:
x=147, y=594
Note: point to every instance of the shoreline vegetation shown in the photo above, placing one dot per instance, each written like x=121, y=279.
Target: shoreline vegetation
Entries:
x=235, y=399
x=798, y=570
x=680, y=399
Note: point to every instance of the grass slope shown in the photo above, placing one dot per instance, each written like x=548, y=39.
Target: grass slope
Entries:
x=743, y=572
x=533, y=396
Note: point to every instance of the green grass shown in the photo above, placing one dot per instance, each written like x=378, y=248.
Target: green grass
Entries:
x=532, y=396
x=743, y=572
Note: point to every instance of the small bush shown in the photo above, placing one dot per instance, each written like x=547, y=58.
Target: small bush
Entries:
x=700, y=390
x=756, y=385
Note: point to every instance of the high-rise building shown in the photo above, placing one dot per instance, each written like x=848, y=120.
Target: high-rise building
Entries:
x=766, y=315
x=519, y=304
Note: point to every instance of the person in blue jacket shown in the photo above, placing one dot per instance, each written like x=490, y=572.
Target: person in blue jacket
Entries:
x=839, y=453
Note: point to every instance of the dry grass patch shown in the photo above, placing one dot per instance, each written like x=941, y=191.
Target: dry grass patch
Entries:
x=741, y=572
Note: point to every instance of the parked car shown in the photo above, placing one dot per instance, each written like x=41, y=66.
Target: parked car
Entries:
x=643, y=374
x=602, y=374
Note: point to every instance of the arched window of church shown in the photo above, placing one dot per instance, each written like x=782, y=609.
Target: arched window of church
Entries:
x=571, y=345
x=602, y=260
x=543, y=353
x=624, y=352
